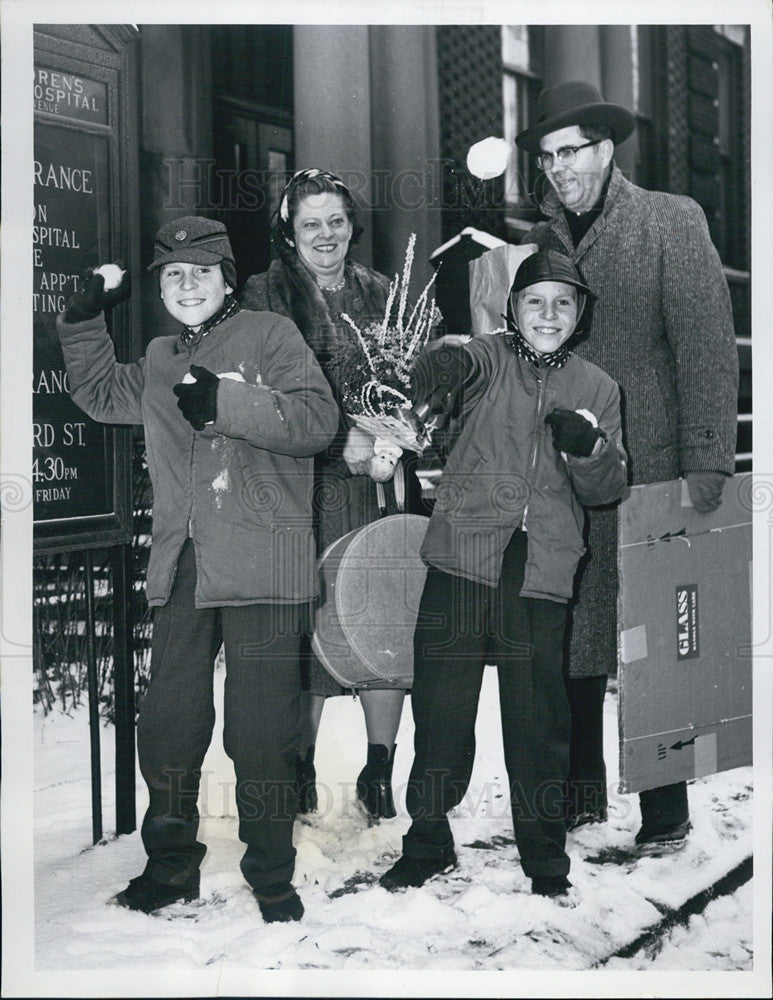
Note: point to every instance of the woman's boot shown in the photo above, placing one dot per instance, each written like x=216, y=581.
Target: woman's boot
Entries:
x=374, y=785
x=305, y=777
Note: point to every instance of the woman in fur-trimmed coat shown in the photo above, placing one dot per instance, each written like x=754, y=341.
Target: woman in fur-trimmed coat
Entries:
x=313, y=281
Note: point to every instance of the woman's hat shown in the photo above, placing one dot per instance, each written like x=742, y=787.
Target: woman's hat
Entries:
x=301, y=177
x=195, y=240
x=547, y=265
x=575, y=103
x=326, y=182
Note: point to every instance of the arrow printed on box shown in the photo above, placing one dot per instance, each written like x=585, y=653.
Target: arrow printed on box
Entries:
x=681, y=744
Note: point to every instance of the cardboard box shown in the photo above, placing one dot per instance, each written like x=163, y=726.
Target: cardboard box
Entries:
x=684, y=647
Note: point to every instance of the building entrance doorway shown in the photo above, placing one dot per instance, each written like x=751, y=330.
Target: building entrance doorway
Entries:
x=253, y=160
x=252, y=76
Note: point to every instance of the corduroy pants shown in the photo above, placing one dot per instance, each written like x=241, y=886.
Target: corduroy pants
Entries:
x=461, y=626
x=260, y=728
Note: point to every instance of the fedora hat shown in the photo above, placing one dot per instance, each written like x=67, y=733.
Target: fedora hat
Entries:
x=574, y=103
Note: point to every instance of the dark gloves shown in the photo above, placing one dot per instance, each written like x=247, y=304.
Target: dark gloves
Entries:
x=437, y=377
x=198, y=400
x=705, y=489
x=573, y=433
x=92, y=298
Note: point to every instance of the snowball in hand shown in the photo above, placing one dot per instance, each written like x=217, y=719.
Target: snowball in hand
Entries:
x=112, y=274
x=488, y=158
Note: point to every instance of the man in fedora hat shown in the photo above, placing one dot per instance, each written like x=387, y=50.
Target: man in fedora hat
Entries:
x=662, y=328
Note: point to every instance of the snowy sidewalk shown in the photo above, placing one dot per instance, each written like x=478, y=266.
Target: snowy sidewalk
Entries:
x=479, y=917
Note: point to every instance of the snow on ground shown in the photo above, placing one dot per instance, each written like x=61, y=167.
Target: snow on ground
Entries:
x=718, y=938
x=479, y=917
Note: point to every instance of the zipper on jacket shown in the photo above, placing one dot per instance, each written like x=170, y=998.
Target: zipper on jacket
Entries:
x=541, y=393
x=190, y=487
x=191, y=348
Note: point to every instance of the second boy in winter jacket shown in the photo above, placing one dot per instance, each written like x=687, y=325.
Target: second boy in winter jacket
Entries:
x=540, y=437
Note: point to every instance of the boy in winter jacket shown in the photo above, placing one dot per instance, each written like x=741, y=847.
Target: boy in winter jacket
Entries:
x=540, y=436
x=234, y=408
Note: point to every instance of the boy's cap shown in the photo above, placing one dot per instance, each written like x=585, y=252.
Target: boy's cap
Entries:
x=547, y=265
x=193, y=240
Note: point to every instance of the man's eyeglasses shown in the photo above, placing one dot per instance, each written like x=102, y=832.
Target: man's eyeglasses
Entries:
x=566, y=155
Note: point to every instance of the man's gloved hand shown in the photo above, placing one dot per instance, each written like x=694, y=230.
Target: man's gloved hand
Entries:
x=198, y=400
x=99, y=289
x=705, y=489
x=572, y=432
x=438, y=375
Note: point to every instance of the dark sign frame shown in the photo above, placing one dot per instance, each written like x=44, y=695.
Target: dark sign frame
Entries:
x=105, y=55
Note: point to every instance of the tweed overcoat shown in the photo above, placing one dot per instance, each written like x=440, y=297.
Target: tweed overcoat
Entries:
x=662, y=327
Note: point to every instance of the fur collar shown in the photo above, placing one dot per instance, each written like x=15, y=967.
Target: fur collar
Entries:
x=293, y=292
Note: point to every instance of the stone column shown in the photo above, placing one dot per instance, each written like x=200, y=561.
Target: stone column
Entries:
x=406, y=146
x=572, y=52
x=332, y=110
x=617, y=71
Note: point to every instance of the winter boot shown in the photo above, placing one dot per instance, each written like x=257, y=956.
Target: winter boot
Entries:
x=550, y=885
x=305, y=777
x=663, y=841
x=411, y=872
x=147, y=894
x=583, y=818
x=374, y=784
x=279, y=902
x=586, y=802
